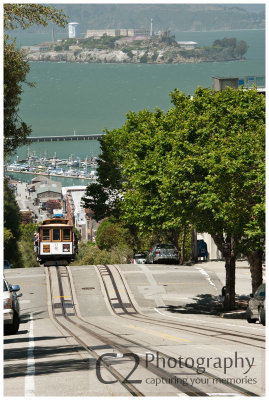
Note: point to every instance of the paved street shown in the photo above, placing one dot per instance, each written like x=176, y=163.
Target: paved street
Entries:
x=176, y=316
x=25, y=200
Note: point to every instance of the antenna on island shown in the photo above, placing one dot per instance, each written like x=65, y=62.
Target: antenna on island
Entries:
x=52, y=33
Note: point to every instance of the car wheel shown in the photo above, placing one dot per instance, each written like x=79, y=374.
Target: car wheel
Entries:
x=262, y=316
x=249, y=319
x=13, y=329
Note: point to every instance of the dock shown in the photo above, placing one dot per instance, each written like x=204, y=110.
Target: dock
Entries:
x=64, y=138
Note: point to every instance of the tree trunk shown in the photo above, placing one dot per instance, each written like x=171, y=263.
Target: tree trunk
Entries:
x=183, y=246
x=255, y=262
x=194, y=251
x=230, y=258
x=229, y=295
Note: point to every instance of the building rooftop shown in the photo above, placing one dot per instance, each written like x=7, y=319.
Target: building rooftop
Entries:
x=49, y=188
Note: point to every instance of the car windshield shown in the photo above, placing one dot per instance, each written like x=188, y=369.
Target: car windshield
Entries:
x=165, y=246
x=5, y=286
x=260, y=292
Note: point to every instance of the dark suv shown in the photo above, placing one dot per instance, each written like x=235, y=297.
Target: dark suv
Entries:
x=256, y=306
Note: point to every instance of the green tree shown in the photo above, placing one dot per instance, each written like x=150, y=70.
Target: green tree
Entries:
x=112, y=235
x=16, y=67
x=11, y=225
x=221, y=172
x=104, y=197
x=199, y=165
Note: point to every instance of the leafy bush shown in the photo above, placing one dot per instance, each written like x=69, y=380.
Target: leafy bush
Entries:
x=89, y=254
x=111, y=234
x=144, y=58
x=27, y=255
x=155, y=56
x=26, y=246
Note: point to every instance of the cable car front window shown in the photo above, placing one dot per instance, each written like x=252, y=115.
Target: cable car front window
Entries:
x=56, y=234
x=45, y=234
x=66, y=234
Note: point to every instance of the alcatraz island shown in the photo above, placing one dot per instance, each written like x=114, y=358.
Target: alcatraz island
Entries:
x=133, y=46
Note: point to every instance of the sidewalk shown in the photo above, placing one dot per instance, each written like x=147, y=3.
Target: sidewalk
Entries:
x=26, y=201
x=243, y=286
x=242, y=274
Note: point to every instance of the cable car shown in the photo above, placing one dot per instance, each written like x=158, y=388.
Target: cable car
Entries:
x=57, y=243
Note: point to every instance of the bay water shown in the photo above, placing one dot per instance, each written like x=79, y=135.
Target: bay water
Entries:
x=88, y=98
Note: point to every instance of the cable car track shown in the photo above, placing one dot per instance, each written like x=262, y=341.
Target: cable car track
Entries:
x=131, y=389
x=188, y=390
x=122, y=348
x=136, y=315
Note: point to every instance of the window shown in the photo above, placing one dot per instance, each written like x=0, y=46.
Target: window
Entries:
x=260, y=292
x=56, y=234
x=66, y=234
x=45, y=234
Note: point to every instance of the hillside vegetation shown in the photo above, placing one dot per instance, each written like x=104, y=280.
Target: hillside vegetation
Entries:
x=173, y=17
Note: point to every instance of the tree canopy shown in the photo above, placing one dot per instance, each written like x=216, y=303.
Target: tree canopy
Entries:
x=201, y=164
x=12, y=219
x=16, y=67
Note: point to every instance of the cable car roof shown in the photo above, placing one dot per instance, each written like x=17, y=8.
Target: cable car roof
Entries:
x=55, y=221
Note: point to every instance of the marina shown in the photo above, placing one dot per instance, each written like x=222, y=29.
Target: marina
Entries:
x=55, y=167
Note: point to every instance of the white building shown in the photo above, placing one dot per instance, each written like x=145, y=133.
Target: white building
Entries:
x=81, y=218
x=188, y=45
x=73, y=30
x=98, y=33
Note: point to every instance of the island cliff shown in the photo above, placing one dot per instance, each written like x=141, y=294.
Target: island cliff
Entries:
x=164, y=50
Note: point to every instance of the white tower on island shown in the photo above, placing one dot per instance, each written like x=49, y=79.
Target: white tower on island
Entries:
x=73, y=30
x=151, y=27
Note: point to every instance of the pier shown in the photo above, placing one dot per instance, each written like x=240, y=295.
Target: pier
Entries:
x=64, y=138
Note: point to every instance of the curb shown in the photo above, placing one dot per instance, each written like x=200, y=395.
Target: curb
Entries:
x=234, y=314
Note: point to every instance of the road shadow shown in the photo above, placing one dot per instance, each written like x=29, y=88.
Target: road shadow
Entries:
x=207, y=304
x=53, y=359
x=48, y=360
x=25, y=339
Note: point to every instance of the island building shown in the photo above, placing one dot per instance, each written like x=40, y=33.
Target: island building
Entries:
x=73, y=30
x=188, y=45
x=98, y=33
x=42, y=47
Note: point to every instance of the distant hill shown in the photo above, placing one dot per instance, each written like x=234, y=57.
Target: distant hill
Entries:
x=173, y=17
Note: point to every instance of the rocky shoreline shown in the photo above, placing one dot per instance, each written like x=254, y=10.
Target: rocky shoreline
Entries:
x=116, y=56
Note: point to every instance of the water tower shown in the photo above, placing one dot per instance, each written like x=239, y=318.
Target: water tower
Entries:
x=73, y=30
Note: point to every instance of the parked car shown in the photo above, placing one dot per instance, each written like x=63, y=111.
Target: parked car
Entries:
x=163, y=253
x=256, y=306
x=7, y=264
x=11, y=307
x=139, y=258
